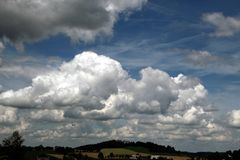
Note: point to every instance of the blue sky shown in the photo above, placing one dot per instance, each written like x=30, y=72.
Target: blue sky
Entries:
x=199, y=39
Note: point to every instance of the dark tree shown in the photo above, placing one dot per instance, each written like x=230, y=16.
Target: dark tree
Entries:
x=39, y=148
x=14, y=141
x=111, y=155
x=60, y=149
x=100, y=155
x=13, y=146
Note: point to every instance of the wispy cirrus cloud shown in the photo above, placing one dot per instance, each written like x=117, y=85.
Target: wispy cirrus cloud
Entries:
x=212, y=63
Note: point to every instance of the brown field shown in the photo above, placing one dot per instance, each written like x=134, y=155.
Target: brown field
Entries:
x=91, y=154
x=59, y=156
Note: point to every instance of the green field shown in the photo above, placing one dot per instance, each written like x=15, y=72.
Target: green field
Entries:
x=121, y=151
x=138, y=149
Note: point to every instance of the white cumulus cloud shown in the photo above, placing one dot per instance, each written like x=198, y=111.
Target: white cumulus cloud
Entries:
x=225, y=26
x=234, y=118
x=95, y=92
x=98, y=87
x=48, y=115
x=85, y=82
x=8, y=114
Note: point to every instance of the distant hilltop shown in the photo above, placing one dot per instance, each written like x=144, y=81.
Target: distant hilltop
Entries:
x=145, y=147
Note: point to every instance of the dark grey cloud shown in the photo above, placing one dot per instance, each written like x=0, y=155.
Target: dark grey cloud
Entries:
x=29, y=20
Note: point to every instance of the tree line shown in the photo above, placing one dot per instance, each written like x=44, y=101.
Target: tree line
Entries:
x=12, y=149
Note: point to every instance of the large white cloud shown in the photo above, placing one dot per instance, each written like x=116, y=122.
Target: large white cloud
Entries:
x=95, y=92
x=225, y=26
x=98, y=87
x=78, y=19
x=85, y=81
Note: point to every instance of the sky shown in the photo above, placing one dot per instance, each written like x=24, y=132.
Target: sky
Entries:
x=78, y=72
